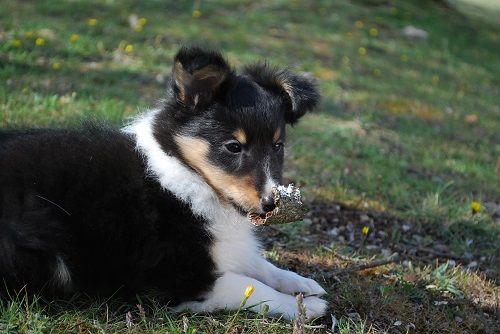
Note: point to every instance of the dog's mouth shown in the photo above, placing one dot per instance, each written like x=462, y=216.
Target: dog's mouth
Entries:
x=289, y=208
x=259, y=219
x=256, y=218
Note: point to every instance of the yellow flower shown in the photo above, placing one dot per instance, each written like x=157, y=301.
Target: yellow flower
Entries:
x=74, y=37
x=359, y=24
x=377, y=72
x=362, y=51
x=92, y=22
x=249, y=291
x=138, y=28
x=374, y=32
x=29, y=34
x=16, y=43
x=435, y=79
x=40, y=41
x=129, y=48
x=475, y=207
x=404, y=58
x=56, y=66
x=142, y=21
x=365, y=230
x=196, y=13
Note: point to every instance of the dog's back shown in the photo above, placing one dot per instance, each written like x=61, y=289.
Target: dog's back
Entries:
x=78, y=212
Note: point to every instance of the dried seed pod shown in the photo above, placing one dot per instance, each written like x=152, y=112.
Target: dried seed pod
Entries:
x=289, y=207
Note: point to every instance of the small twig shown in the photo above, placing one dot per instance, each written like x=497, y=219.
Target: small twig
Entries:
x=314, y=326
x=300, y=320
x=368, y=265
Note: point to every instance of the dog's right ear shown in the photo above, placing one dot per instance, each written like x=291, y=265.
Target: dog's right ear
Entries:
x=198, y=75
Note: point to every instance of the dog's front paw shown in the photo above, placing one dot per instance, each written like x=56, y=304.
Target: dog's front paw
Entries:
x=315, y=307
x=290, y=283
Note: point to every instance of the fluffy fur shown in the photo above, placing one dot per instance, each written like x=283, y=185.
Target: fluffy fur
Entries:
x=160, y=206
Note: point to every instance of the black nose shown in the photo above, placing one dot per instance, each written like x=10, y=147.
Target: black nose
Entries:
x=267, y=203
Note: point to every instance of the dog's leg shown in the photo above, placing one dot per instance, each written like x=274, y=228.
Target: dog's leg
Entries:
x=228, y=293
x=282, y=280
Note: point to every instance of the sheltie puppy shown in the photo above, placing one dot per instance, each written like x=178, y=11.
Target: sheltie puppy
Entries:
x=159, y=207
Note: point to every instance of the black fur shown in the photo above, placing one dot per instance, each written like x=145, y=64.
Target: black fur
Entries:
x=84, y=196
x=300, y=90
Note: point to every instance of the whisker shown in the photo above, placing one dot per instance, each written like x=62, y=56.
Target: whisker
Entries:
x=48, y=200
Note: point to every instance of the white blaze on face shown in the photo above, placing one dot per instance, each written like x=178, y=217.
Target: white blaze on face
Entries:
x=270, y=182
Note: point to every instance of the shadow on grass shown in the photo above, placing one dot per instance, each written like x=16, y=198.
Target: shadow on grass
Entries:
x=428, y=290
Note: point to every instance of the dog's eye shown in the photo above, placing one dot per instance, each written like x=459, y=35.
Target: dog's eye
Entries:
x=233, y=147
x=278, y=146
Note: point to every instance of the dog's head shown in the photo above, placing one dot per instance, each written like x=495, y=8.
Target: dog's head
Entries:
x=229, y=127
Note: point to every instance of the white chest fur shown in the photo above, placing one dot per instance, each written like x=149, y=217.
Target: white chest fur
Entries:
x=234, y=238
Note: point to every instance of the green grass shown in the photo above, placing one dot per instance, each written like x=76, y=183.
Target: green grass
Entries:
x=410, y=128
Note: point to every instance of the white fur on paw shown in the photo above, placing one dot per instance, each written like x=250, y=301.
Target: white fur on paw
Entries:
x=315, y=307
x=291, y=284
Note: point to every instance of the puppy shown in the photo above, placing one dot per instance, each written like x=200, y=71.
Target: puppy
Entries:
x=159, y=207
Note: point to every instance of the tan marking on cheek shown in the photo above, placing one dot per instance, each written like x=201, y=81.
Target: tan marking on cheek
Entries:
x=277, y=135
x=240, y=136
x=238, y=189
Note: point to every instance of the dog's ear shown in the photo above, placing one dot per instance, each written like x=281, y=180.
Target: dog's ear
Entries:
x=198, y=75
x=299, y=89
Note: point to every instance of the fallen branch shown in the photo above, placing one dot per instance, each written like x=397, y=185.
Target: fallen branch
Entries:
x=362, y=266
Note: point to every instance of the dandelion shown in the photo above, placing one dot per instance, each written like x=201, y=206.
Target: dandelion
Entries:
x=129, y=48
x=137, y=24
x=40, y=41
x=249, y=291
x=475, y=207
x=29, y=34
x=92, y=22
x=196, y=13
x=16, y=43
x=377, y=72
x=359, y=24
x=74, y=37
x=365, y=230
x=374, y=32
x=362, y=51
x=56, y=66
x=435, y=79
x=404, y=58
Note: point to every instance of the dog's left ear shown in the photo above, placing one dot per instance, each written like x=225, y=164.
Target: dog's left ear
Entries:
x=299, y=89
x=198, y=75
